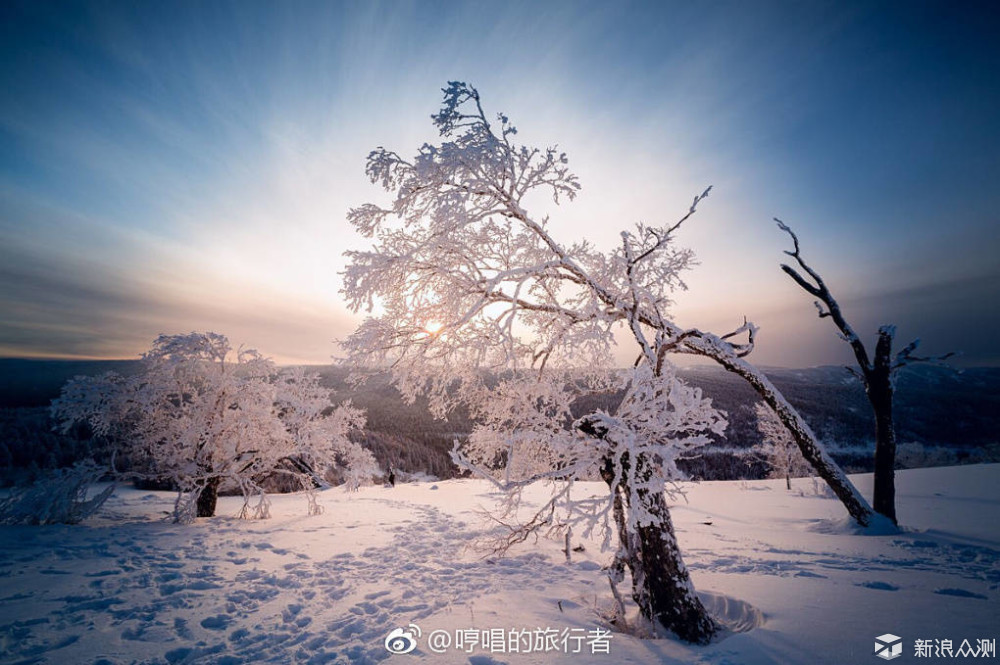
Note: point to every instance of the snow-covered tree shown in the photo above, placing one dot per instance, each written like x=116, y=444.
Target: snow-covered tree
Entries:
x=61, y=496
x=876, y=373
x=526, y=433
x=201, y=414
x=783, y=457
x=483, y=307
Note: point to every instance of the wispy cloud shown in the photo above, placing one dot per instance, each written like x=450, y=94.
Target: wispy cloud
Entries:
x=189, y=166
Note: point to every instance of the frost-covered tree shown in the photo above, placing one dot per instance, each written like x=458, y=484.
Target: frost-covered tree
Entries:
x=201, y=414
x=876, y=373
x=783, y=457
x=525, y=433
x=61, y=496
x=483, y=307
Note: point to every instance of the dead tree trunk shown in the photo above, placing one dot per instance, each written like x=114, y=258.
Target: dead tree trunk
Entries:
x=875, y=376
x=879, y=388
x=208, y=498
x=661, y=584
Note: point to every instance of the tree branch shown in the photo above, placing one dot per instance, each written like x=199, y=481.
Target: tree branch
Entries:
x=820, y=291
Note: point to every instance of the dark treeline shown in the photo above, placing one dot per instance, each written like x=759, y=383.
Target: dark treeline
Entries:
x=937, y=408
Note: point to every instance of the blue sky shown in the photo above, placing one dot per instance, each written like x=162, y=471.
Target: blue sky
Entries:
x=167, y=167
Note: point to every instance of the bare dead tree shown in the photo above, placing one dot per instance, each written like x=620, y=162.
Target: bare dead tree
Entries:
x=876, y=374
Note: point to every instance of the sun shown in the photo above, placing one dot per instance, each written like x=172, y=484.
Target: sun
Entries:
x=433, y=328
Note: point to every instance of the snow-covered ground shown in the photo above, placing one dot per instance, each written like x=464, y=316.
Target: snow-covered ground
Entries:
x=127, y=587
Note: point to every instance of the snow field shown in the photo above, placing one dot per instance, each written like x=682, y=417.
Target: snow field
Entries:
x=126, y=587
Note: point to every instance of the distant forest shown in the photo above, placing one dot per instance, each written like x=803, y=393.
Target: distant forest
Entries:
x=943, y=416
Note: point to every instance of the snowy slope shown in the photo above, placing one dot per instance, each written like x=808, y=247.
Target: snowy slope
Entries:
x=127, y=587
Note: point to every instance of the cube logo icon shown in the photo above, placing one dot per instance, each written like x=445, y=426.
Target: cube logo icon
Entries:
x=888, y=646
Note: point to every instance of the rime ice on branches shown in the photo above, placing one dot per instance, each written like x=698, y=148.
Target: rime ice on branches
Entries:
x=200, y=414
x=523, y=326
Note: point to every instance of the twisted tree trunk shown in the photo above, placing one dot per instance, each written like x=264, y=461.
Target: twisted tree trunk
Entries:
x=661, y=584
x=666, y=583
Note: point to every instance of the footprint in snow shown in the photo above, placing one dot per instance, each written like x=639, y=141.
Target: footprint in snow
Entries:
x=217, y=622
x=880, y=586
x=960, y=593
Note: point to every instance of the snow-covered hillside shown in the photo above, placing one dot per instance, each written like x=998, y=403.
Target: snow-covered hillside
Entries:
x=783, y=567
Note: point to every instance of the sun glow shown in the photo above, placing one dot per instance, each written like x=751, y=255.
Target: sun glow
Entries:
x=433, y=328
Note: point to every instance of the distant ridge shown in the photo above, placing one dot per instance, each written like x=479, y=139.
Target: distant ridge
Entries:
x=935, y=406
